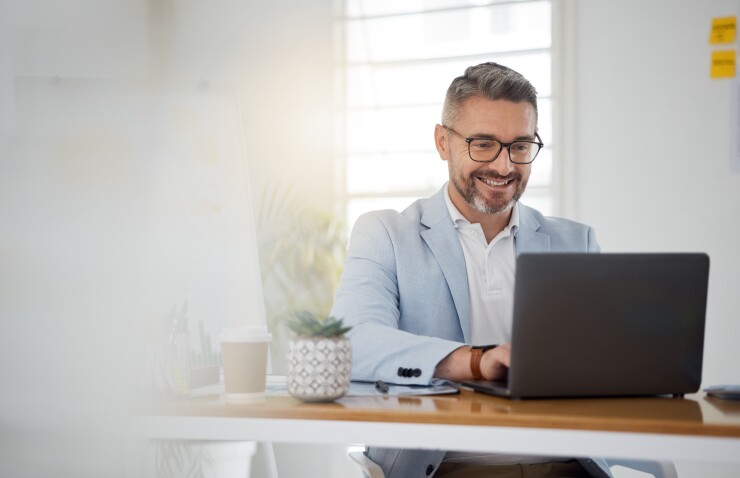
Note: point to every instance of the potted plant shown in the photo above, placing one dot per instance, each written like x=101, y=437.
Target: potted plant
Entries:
x=319, y=358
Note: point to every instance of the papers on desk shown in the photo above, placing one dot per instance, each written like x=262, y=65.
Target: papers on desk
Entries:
x=364, y=389
x=277, y=386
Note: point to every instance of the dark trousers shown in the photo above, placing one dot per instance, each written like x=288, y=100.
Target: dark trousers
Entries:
x=568, y=469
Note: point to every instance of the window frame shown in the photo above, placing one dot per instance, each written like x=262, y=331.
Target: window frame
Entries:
x=560, y=199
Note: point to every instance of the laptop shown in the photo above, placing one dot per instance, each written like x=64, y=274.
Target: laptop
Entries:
x=594, y=325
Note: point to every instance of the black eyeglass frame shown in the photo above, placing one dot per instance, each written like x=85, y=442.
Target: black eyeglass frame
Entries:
x=501, y=148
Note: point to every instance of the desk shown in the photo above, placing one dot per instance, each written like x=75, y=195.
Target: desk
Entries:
x=694, y=429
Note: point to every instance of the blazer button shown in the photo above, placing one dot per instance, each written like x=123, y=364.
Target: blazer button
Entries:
x=400, y=371
x=417, y=372
x=430, y=469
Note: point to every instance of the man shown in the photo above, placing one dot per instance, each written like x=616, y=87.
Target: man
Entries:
x=420, y=287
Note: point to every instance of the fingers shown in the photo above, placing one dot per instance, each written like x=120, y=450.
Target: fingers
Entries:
x=504, y=353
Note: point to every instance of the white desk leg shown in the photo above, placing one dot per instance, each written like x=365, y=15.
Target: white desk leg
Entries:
x=268, y=456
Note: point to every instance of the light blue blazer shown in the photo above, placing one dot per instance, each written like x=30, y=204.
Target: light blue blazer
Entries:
x=405, y=293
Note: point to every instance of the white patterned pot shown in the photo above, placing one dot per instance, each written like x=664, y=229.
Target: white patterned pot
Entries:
x=319, y=368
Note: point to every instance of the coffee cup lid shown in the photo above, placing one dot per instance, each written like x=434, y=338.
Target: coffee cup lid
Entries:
x=246, y=333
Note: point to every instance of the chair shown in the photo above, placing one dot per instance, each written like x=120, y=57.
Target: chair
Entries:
x=369, y=468
x=659, y=469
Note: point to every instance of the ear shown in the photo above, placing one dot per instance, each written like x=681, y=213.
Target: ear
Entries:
x=440, y=141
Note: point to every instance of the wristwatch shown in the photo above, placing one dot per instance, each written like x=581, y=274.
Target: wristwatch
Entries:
x=477, y=352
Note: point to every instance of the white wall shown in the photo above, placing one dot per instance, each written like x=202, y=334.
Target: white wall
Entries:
x=652, y=164
x=124, y=126
x=278, y=54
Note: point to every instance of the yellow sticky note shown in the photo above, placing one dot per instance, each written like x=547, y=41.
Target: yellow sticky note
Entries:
x=723, y=64
x=723, y=30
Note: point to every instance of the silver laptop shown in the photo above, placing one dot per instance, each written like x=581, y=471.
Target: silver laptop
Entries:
x=606, y=325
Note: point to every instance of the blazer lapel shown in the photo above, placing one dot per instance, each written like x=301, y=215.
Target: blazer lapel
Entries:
x=441, y=237
x=527, y=239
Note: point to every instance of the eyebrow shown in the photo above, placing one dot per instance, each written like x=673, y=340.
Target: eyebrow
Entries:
x=490, y=136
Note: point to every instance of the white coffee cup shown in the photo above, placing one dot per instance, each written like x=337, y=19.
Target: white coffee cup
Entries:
x=244, y=359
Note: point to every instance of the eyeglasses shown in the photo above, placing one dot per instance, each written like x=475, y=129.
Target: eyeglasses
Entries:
x=486, y=150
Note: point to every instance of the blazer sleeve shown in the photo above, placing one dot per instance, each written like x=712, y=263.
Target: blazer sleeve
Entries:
x=368, y=301
x=592, y=245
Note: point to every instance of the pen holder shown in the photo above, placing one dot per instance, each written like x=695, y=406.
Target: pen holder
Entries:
x=319, y=368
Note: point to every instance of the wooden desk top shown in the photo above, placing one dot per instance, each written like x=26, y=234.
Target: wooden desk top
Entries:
x=695, y=415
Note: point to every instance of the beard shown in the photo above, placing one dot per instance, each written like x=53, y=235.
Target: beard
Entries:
x=495, y=204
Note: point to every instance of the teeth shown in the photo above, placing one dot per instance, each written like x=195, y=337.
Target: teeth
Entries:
x=495, y=183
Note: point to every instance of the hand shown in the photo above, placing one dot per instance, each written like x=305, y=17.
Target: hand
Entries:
x=495, y=363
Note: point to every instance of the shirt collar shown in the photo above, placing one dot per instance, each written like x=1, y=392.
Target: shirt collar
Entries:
x=459, y=220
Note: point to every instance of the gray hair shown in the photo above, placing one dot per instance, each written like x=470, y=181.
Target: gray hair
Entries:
x=487, y=80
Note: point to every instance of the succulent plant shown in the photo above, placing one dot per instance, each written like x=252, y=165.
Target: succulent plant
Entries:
x=307, y=324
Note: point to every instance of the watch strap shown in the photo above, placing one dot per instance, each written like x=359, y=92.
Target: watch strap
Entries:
x=476, y=353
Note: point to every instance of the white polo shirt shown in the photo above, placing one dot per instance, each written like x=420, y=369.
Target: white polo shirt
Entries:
x=491, y=269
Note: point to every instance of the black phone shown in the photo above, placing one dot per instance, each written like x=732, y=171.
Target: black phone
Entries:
x=725, y=392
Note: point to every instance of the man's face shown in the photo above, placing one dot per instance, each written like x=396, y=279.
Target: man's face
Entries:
x=486, y=188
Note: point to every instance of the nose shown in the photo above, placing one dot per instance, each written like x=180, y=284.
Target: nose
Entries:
x=502, y=164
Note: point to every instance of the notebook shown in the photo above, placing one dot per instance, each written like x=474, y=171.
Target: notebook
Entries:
x=589, y=325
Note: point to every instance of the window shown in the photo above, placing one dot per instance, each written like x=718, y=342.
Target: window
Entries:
x=395, y=62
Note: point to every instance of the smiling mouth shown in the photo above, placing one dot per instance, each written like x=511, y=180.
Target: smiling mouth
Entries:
x=495, y=183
